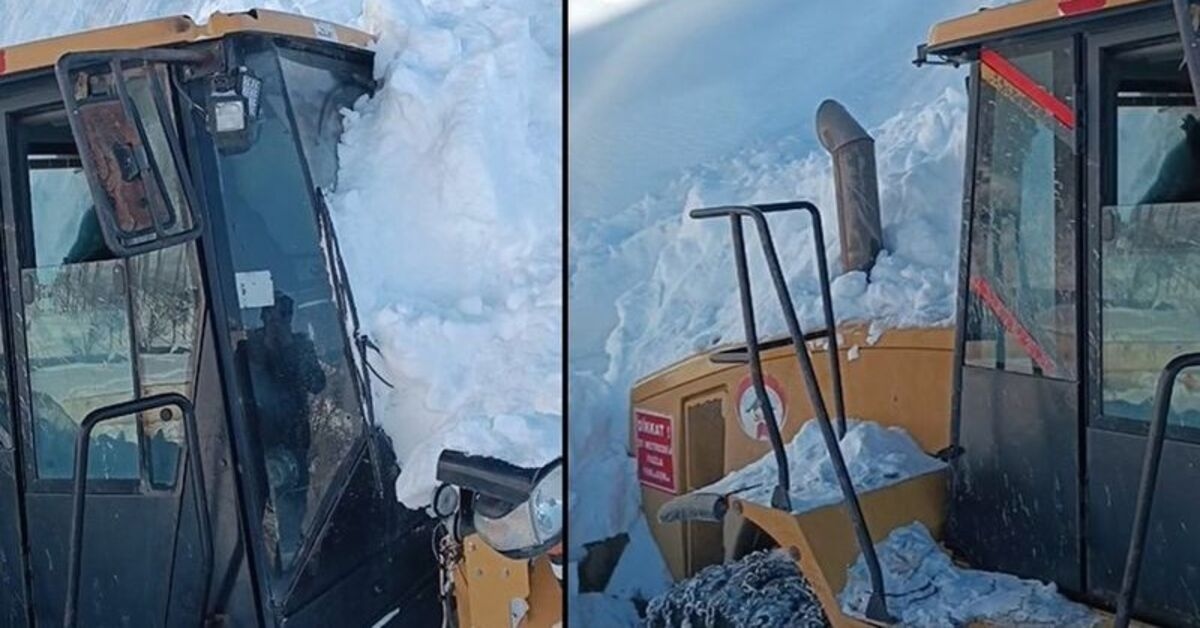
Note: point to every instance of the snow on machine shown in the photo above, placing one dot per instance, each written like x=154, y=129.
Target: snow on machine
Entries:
x=187, y=435
x=1059, y=419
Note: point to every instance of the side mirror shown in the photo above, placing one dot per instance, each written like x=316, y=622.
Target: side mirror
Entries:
x=127, y=135
x=517, y=510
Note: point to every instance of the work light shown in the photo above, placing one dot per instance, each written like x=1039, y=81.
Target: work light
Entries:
x=518, y=511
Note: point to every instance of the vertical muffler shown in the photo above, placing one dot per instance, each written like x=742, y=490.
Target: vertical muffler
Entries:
x=853, y=153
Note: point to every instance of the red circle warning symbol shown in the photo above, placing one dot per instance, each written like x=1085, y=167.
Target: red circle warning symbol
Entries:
x=750, y=414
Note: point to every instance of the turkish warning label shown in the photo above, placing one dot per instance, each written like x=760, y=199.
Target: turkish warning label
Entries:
x=654, y=439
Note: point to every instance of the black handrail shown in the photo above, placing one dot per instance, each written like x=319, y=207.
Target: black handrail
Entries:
x=835, y=368
x=877, y=605
x=195, y=470
x=1147, y=485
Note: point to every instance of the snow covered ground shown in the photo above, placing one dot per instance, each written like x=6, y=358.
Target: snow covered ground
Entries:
x=678, y=104
x=448, y=208
x=925, y=588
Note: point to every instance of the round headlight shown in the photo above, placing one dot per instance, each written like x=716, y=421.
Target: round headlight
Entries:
x=531, y=528
x=546, y=506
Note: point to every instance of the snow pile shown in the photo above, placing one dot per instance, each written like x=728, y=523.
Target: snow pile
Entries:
x=763, y=589
x=925, y=588
x=448, y=209
x=689, y=304
x=876, y=457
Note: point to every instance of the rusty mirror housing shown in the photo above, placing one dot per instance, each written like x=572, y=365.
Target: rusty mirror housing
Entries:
x=121, y=117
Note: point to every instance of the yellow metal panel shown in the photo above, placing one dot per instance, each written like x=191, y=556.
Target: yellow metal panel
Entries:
x=170, y=31
x=904, y=378
x=487, y=582
x=823, y=542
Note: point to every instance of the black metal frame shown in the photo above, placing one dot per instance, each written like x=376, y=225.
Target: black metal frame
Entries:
x=212, y=246
x=195, y=472
x=33, y=96
x=1094, y=171
x=877, y=604
x=218, y=265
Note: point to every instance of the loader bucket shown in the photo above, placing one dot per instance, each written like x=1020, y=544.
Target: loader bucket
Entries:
x=822, y=540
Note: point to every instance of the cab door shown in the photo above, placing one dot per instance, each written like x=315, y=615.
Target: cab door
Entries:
x=1015, y=498
x=92, y=328
x=1144, y=309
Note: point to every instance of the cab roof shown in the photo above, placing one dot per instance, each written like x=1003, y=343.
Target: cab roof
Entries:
x=994, y=22
x=180, y=29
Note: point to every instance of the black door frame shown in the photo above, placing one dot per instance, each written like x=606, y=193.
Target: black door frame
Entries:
x=37, y=93
x=1100, y=184
x=1051, y=406
x=1114, y=446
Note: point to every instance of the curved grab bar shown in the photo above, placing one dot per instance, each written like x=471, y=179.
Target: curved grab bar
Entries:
x=195, y=470
x=877, y=605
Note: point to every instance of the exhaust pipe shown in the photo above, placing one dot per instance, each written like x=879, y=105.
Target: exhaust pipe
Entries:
x=853, y=153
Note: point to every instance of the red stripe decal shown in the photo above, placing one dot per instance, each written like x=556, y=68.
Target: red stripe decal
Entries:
x=1076, y=7
x=1027, y=86
x=1012, y=325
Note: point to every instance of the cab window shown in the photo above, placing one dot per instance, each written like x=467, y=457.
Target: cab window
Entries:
x=99, y=329
x=1150, y=234
x=291, y=348
x=1021, y=308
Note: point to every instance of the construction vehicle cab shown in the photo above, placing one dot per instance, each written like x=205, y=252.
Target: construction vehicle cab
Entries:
x=187, y=435
x=1067, y=398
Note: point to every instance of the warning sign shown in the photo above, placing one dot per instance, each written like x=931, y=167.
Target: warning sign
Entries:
x=750, y=413
x=654, y=438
